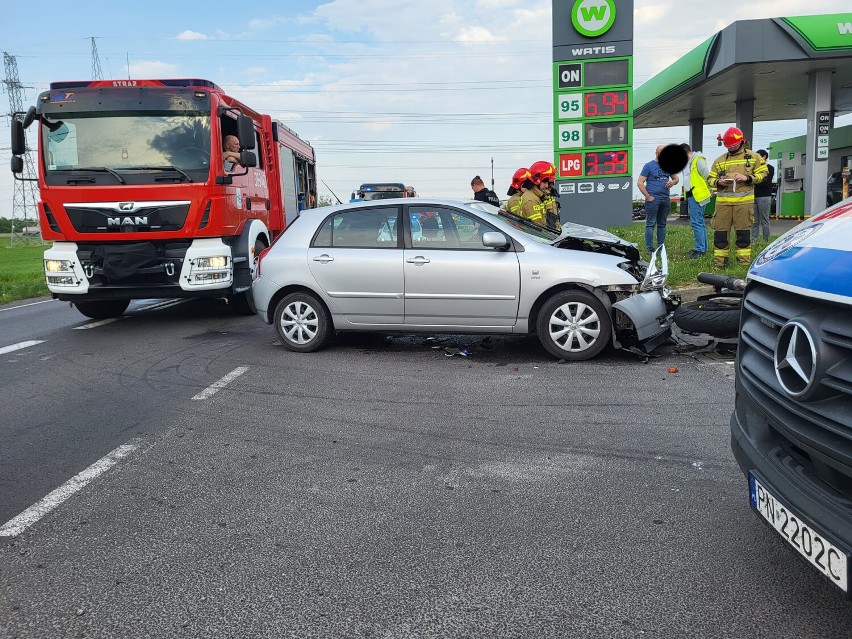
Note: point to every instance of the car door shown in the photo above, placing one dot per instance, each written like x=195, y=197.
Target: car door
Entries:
x=451, y=279
x=356, y=258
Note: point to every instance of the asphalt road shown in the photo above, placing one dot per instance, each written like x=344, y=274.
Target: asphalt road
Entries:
x=383, y=487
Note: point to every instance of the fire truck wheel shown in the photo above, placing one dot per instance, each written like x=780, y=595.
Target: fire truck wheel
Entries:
x=103, y=309
x=302, y=322
x=242, y=303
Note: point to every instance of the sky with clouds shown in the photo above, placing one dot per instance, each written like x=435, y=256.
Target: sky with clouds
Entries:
x=425, y=93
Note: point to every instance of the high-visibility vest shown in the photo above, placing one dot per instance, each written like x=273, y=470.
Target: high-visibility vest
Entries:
x=700, y=190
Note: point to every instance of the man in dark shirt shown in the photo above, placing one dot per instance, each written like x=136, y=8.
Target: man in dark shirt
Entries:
x=762, y=202
x=483, y=194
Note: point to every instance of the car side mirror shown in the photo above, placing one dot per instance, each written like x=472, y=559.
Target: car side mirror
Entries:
x=17, y=164
x=493, y=239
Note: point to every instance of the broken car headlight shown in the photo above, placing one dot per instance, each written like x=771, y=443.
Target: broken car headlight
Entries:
x=657, y=272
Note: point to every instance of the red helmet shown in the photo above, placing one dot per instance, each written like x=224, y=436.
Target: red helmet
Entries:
x=542, y=170
x=733, y=137
x=519, y=176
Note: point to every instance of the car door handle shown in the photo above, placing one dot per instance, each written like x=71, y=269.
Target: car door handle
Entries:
x=325, y=259
x=417, y=260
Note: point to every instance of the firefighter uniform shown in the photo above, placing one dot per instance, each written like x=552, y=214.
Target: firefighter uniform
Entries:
x=513, y=205
x=551, y=210
x=533, y=209
x=735, y=202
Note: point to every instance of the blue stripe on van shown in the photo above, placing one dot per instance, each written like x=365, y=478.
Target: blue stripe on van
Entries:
x=813, y=268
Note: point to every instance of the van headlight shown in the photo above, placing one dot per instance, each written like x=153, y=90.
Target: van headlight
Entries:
x=657, y=272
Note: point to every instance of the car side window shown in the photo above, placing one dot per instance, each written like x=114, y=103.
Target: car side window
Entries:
x=445, y=228
x=359, y=228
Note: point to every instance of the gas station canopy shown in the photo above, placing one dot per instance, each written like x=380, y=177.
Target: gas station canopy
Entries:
x=753, y=70
x=767, y=61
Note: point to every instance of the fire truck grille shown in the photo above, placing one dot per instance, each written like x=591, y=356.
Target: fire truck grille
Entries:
x=144, y=219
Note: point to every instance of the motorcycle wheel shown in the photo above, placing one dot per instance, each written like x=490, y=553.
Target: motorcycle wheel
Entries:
x=716, y=316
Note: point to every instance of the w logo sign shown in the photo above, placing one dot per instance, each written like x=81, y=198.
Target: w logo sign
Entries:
x=845, y=28
x=593, y=18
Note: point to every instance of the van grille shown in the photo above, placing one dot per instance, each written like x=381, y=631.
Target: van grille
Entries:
x=822, y=420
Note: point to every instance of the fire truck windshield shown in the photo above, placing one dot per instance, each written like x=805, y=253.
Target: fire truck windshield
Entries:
x=120, y=142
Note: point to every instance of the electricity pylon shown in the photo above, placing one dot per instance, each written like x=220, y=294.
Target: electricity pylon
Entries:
x=97, y=74
x=24, y=198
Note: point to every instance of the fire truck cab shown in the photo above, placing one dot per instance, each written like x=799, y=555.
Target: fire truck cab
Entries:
x=139, y=200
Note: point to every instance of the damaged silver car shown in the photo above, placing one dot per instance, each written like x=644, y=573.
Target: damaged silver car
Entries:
x=467, y=268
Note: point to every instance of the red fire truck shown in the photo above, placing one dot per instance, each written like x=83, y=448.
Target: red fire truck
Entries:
x=140, y=202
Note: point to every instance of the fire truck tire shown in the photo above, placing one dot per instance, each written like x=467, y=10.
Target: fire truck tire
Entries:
x=716, y=317
x=243, y=303
x=103, y=309
x=302, y=322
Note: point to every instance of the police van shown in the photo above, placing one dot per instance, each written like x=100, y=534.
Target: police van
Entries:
x=791, y=430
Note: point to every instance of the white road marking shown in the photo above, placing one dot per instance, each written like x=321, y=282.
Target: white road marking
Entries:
x=217, y=386
x=99, y=323
x=159, y=305
x=31, y=515
x=151, y=307
x=19, y=346
x=12, y=308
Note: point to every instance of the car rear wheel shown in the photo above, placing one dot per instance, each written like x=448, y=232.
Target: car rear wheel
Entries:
x=574, y=325
x=302, y=323
x=103, y=309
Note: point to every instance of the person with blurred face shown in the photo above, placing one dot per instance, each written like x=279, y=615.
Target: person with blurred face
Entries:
x=654, y=183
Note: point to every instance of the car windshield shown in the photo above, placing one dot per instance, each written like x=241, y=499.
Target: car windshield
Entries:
x=530, y=229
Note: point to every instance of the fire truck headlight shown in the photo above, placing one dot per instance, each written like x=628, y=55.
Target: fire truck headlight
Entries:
x=59, y=266
x=219, y=261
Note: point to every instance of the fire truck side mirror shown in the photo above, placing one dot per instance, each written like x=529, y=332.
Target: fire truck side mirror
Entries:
x=19, y=141
x=29, y=117
x=245, y=132
x=248, y=158
x=17, y=164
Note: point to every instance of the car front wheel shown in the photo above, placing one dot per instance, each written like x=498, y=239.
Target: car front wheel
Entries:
x=302, y=323
x=574, y=325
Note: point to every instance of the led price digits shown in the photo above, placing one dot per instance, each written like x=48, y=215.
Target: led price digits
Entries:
x=606, y=103
x=606, y=163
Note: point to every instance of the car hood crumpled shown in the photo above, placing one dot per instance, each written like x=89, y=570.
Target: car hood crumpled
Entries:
x=590, y=233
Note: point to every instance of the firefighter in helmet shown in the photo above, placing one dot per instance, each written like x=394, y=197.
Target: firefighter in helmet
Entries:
x=515, y=192
x=734, y=175
x=532, y=207
x=543, y=173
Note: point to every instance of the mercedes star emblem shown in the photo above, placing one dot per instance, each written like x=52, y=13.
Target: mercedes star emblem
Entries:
x=795, y=359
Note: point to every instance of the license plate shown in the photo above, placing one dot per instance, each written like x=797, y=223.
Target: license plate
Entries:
x=820, y=553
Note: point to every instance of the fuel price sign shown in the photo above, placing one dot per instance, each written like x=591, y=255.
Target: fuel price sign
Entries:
x=606, y=104
x=607, y=162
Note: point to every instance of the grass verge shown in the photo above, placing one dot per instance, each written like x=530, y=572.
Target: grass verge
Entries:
x=683, y=271
x=21, y=272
